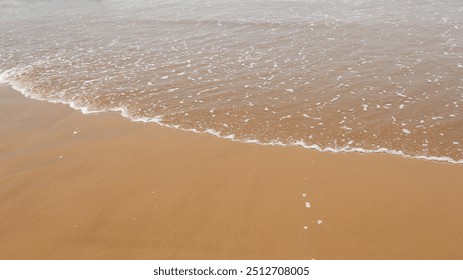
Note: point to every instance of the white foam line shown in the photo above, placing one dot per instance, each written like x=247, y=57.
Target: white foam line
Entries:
x=158, y=120
x=3, y=79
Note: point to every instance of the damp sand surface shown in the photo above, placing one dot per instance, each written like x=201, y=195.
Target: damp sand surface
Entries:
x=99, y=186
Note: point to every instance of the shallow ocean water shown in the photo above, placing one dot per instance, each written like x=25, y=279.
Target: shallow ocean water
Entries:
x=341, y=75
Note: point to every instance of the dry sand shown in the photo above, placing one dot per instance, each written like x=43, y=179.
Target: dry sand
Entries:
x=98, y=186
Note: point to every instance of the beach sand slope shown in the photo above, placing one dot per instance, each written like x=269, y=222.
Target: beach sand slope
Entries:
x=99, y=186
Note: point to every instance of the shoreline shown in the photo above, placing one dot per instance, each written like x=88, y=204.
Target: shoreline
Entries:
x=301, y=144
x=100, y=186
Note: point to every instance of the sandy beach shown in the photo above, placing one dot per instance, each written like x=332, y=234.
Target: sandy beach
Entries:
x=99, y=186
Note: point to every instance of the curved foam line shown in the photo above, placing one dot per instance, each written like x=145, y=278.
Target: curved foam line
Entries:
x=158, y=120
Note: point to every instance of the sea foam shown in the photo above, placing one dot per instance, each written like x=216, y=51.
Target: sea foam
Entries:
x=6, y=78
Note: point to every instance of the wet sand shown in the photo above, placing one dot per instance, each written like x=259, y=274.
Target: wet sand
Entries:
x=98, y=186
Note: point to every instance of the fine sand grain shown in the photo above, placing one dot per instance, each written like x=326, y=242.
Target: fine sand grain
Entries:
x=98, y=186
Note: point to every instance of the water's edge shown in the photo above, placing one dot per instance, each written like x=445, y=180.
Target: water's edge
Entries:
x=158, y=120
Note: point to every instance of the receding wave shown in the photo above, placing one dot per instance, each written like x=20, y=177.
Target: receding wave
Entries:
x=344, y=76
x=159, y=120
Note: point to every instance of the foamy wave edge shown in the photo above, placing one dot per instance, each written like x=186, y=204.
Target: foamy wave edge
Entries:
x=4, y=79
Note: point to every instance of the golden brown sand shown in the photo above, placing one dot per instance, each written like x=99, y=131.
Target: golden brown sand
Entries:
x=98, y=186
